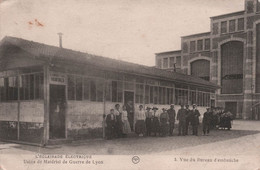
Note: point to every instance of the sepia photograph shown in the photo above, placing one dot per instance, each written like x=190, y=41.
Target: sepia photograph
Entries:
x=133, y=84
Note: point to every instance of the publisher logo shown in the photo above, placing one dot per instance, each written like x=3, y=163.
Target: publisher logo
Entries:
x=135, y=159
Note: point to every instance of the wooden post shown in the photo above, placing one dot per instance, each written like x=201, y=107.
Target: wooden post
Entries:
x=46, y=103
x=104, y=110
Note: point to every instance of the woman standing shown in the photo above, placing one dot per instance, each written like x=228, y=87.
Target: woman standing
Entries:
x=140, y=121
x=155, y=122
x=118, y=125
x=126, y=125
x=148, y=121
x=164, y=118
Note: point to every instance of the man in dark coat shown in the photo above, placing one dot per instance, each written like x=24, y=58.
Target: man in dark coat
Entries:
x=111, y=122
x=181, y=116
x=172, y=115
x=188, y=119
x=130, y=113
x=207, y=117
x=195, y=120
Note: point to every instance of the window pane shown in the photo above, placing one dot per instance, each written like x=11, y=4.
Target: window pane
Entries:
x=232, y=25
x=178, y=62
x=100, y=91
x=109, y=91
x=147, y=94
x=71, y=87
x=165, y=63
x=172, y=62
x=192, y=46
x=215, y=28
x=86, y=88
x=240, y=24
x=151, y=94
x=79, y=86
x=224, y=27
x=155, y=95
x=31, y=87
x=207, y=44
x=2, y=90
x=200, y=45
x=159, y=63
x=114, y=91
x=93, y=90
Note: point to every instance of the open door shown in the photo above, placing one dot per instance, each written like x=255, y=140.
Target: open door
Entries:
x=129, y=103
x=57, y=111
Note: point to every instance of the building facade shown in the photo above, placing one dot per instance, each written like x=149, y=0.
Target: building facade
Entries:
x=229, y=56
x=38, y=80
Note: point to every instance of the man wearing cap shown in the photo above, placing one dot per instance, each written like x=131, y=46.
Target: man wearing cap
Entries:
x=195, y=120
x=181, y=116
x=171, y=114
x=206, y=121
x=148, y=121
x=188, y=119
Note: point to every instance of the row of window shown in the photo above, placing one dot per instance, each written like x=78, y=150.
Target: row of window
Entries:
x=82, y=88
x=30, y=87
x=229, y=26
x=200, y=45
x=169, y=62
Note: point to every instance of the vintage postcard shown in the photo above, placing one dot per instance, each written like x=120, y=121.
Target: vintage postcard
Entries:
x=133, y=84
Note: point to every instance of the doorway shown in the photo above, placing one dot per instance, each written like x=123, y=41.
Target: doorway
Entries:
x=232, y=107
x=57, y=111
x=129, y=103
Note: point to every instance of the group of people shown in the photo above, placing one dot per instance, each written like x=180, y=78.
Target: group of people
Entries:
x=149, y=121
x=221, y=118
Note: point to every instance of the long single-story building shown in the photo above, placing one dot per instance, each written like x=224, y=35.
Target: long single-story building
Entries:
x=34, y=77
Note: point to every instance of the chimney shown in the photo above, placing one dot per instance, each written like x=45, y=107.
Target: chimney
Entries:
x=60, y=39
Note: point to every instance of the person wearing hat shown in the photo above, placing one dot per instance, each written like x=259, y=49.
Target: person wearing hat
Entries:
x=206, y=121
x=140, y=121
x=195, y=120
x=172, y=115
x=110, y=125
x=148, y=121
x=155, y=121
x=188, y=119
x=181, y=117
x=119, y=123
x=164, y=119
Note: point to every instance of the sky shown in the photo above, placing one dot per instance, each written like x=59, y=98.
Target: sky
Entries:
x=128, y=30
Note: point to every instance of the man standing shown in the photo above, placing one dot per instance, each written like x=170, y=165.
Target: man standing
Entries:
x=206, y=121
x=110, y=121
x=195, y=120
x=171, y=114
x=181, y=116
x=130, y=114
x=188, y=119
x=148, y=121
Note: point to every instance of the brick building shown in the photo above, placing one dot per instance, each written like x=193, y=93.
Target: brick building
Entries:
x=228, y=55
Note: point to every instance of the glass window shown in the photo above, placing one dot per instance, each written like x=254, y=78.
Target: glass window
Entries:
x=207, y=44
x=86, y=88
x=147, y=94
x=155, y=95
x=240, y=23
x=232, y=25
x=172, y=62
x=192, y=46
x=93, y=90
x=12, y=88
x=39, y=86
x=108, y=93
x=159, y=63
x=117, y=91
x=25, y=87
x=100, y=91
x=2, y=89
x=165, y=63
x=31, y=88
x=215, y=28
x=151, y=94
x=200, y=45
x=223, y=27
x=79, y=88
x=178, y=62
x=139, y=93
x=71, y=87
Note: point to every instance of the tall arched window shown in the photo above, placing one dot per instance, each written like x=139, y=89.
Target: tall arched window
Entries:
x=232, y=67
x=201, y=68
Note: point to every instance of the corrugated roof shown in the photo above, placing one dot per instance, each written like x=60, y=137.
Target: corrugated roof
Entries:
x=63, y=54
